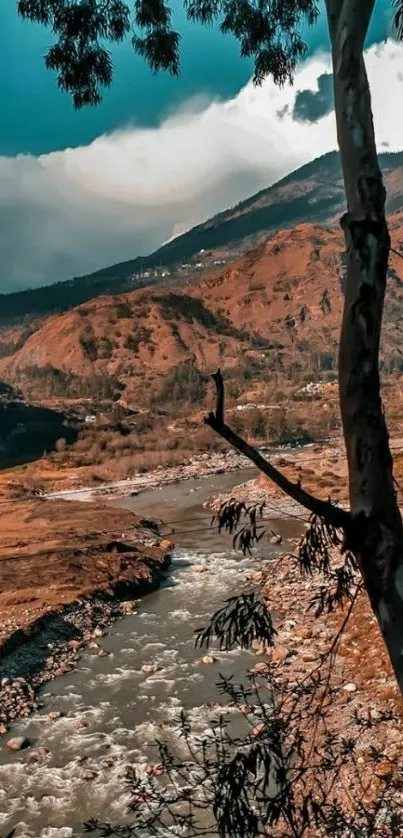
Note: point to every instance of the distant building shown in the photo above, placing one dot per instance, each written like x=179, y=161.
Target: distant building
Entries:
x=90, y=419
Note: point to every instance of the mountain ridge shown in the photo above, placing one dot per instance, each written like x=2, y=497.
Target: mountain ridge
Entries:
x=312, y=193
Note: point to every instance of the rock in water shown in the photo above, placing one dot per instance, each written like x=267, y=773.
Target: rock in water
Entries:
x=209, y=659
x=155, y=770
x=36, y=756
x=18, y=743
x=149, y=668
x=89, y=775
x=54, y=715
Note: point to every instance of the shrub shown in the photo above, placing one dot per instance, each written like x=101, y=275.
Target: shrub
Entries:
x=10, y=347
x=192, y=310
x=106, y=348
x=133, y=341
x=123, y=309
x=88, y=343
x=58, y=382
x=182, y=384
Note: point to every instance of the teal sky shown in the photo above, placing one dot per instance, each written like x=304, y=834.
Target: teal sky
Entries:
x=38, y=118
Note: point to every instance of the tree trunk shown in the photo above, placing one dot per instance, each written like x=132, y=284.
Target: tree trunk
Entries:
x=377, y=534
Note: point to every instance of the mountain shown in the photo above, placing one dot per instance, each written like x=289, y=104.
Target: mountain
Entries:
x=314, y=193
x=274, y=311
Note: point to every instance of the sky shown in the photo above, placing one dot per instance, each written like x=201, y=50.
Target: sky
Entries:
x=81, y=190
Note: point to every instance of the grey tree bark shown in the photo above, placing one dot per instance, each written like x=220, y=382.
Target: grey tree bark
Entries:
x=376, y=533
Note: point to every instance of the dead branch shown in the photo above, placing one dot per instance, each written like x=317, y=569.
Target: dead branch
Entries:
x=324, y=509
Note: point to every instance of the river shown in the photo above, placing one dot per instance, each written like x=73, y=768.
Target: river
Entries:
x=123, y=709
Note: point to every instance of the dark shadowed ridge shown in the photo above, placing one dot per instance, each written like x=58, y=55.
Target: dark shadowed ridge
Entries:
x=313, y=193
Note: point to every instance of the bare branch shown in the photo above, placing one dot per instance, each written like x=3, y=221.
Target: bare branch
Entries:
x=324, y=509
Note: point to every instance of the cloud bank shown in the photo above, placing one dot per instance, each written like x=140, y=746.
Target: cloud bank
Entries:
x=70, y=212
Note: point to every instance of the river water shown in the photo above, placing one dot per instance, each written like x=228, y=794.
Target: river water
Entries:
x=124, y=710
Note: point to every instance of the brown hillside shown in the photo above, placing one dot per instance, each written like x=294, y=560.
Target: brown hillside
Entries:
x=278, y=305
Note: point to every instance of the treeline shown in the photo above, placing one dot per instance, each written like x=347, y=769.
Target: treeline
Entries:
x=58, y=383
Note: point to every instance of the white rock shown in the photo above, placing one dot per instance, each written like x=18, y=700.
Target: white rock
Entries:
x=350, y=688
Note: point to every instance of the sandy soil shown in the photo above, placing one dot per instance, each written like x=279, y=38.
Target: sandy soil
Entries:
x=52, y=552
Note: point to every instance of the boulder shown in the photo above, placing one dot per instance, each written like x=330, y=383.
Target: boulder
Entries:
x=149, y=668
x=155, y=770
x=209, y=659
x=259, y=729
x=259, y=668
x=279, y=654
x=37, y=755
x=79, y=724
x=128, y=608
x=18, y=743
x=166, y=545
x=89, y=774
x=245, y=709
x=309, y=656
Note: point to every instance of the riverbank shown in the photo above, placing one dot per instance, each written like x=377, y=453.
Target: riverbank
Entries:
x=199, y=466
x=352, y=697
x=357, y=698
x=60, y=584
x=322, y=471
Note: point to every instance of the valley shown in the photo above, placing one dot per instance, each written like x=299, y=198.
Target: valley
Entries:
x=109, y=479
x=128, y=376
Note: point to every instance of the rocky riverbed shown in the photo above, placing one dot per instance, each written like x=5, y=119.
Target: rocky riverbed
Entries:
x=152, y=662
x=105, y=714
x=53, y=648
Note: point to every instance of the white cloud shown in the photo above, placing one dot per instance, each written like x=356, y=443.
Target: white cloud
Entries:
x=73, y=211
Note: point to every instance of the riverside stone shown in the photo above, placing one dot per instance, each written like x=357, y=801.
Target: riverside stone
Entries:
x=37, y=755
x=149, y=668
x=18, y=743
